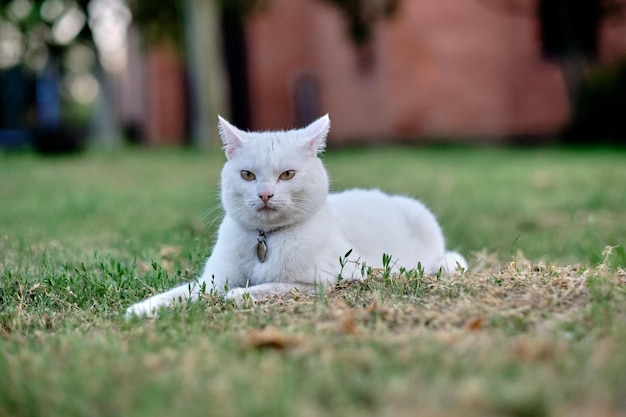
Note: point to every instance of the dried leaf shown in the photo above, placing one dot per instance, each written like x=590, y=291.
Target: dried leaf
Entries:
x=475, y=324
x=349, y=325
x=271, y=338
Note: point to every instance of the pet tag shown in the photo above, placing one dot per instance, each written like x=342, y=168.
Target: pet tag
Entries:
x=261, y=247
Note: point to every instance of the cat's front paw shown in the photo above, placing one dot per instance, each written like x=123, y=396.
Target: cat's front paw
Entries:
x=147, y=308
x=240, y=296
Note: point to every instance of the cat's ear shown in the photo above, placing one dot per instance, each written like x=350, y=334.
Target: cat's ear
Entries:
x=316, y=134
x=232, y=138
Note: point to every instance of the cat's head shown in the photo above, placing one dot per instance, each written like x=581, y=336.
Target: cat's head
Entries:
x=273, y=179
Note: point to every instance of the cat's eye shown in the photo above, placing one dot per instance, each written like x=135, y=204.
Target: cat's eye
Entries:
x=287, y=175
x=247, y=175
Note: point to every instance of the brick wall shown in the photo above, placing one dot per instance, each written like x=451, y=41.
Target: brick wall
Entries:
x=436, y=69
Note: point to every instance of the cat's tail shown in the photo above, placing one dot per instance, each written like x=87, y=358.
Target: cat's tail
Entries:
x=454, y=263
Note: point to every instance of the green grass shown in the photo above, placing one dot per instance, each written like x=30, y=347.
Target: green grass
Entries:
x=536, y=328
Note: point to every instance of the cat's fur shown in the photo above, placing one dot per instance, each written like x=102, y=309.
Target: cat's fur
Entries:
x=274, y=182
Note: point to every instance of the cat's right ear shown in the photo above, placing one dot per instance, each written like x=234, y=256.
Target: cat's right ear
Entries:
x=232, y=138
x=316, y=135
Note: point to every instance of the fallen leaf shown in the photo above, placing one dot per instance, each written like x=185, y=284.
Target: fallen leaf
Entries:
x=349, y=326
x=271, y=338
x=475, y=324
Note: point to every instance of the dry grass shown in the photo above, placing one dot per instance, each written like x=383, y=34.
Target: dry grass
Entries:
x=523, y=338
x=520, y=296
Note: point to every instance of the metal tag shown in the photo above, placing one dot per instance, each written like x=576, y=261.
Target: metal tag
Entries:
x=261, y=247
x=261, y=251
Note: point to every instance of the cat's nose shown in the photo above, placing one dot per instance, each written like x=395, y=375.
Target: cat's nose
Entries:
x=265, y=196
x=266, y=191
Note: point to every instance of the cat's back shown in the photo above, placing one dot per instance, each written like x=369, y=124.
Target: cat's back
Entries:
x=373, y=203
x=377, y=222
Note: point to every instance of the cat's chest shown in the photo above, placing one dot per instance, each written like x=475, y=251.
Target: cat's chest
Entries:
x=289, y=253
x=274, y=257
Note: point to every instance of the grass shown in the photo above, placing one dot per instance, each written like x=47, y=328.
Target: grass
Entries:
x=535, y=328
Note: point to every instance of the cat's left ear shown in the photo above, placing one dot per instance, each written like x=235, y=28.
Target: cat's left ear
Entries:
x=232, y=138
x=316, y=134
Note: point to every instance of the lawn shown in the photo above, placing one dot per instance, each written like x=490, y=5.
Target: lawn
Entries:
x=534, y=328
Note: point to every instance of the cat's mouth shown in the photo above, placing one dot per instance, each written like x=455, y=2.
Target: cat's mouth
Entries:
x=266, y=209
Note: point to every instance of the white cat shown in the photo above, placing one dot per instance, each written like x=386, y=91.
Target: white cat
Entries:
x=282, y=230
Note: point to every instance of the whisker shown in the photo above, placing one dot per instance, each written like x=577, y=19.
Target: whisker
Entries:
x=211, y=211
x=211, y=216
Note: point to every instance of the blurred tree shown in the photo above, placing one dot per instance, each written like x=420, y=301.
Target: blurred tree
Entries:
x=42, y=32
x=233, y=19
x=59, y=40
x=569, y=33
x=159, y=20
x=361, y=17
x=599, y=109
x=43, y=26
x=212, y=36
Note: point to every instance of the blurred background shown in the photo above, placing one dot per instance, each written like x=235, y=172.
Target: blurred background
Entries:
x=158, y=73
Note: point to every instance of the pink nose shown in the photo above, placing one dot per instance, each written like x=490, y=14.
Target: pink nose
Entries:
x=265, y=197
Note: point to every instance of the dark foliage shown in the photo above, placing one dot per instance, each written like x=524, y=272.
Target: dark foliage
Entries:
x=362, y=16
x=600, y=109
